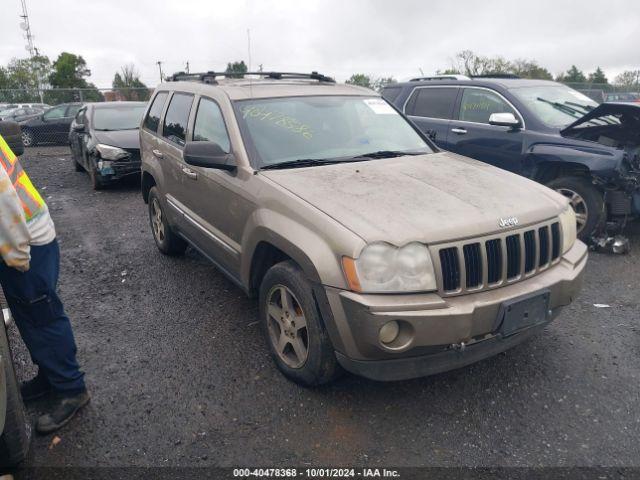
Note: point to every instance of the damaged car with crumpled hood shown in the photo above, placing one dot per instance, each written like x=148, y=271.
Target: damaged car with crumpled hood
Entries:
x=542, y=130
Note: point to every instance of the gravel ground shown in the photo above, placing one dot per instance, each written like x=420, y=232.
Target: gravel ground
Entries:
x=180, y=375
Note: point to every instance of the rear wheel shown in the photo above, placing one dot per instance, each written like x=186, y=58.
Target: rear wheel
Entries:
x=28, y=139
x=14, y=442
x=167, y=241
x=587, y=203
x=291, y=323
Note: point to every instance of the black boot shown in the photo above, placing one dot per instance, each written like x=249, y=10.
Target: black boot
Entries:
x=35, y=388
x=62, y=410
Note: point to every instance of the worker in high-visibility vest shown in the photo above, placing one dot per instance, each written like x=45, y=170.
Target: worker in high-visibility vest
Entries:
x=29, y=275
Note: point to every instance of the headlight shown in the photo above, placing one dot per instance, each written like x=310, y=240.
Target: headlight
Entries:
x=383, y=268
x=568, y=224
x=107, y=152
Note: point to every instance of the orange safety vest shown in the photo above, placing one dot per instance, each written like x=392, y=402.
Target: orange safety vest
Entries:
x=32, y=202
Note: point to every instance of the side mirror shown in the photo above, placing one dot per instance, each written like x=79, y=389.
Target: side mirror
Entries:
x=78, y=127
x=506, y=119
x=208, y=155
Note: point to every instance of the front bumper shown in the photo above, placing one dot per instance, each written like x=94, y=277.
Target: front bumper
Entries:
x=115, y=170
x=440, y=333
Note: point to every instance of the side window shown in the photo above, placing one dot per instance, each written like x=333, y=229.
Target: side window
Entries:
x=175, y=123
x=54, y=113
x=152, y=120
x=478, y=105
x=73, y=109
x=209, y=125
x=432, y=102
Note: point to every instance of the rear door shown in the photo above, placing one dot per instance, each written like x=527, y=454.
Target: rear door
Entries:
x=431, y=110
x=173, y=134
x=471, y=135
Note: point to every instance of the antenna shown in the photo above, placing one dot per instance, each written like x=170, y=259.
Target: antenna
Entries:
x=159, y=63
x=249, y=47
x=421, y=72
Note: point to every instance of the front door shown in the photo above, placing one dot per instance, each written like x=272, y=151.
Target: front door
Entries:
x=216, y=200
x=471, y=135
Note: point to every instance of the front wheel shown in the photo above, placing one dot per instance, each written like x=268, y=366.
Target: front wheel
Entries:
x=167, y=241
x=587, y=202
x=297, y=339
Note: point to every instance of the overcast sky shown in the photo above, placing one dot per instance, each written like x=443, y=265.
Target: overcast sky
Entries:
x=336, y=37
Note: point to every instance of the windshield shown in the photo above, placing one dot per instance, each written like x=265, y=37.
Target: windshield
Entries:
x=325, y=127
x=125, y=117
x=555, y=105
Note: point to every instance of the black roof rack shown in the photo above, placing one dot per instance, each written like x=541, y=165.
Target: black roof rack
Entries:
x=496, y=75
x=210, y=77
x=441, y=77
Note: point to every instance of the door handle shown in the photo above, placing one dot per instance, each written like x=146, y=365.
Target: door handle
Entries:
x=190, y=173
x=459, y=131
x=157, y=153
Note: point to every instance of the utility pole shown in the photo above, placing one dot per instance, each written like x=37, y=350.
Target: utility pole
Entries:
x=159, y=63
x=33, y=51
x=187, y=67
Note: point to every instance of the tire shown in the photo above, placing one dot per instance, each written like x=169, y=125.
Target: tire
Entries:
x=28, y=138
x=97, y=182
x=586, y=200
x=76, y=165
x=12, y=134
x=320, y=365
x=167, y=241
x=14, y=442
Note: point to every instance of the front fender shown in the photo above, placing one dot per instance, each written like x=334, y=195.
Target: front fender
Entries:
x=313, y=253
x=603, y=162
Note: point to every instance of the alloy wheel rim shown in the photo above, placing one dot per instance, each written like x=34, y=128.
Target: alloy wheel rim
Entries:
x=287, y=326
x=579, y=206
x=27, y=139
x=156, y=220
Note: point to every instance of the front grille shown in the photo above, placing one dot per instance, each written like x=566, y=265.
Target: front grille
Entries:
x=491, y=262
x=450, y=268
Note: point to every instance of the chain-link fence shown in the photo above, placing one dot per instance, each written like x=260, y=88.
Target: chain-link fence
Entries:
x=605, y=92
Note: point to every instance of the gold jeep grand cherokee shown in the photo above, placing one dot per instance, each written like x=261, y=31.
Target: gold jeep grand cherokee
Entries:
x=367, y=247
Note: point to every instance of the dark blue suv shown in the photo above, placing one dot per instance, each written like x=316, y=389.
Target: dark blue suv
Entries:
x=543, y=130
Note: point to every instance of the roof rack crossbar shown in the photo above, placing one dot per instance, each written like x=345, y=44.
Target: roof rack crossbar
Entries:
x=210, y=77
x=496, y=75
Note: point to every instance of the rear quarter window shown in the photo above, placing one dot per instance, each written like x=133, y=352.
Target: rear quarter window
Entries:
x=391, y=93
x=152, y=120
x=432, y=102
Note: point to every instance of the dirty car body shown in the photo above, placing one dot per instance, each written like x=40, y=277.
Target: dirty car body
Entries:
x=323, y=201
x=553, y=134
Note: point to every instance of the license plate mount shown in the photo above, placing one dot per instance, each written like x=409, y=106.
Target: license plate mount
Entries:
x=523, y=312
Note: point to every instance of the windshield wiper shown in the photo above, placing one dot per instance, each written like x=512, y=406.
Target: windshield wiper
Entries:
x=301, y=162
x=384, y=154
x=564, y=108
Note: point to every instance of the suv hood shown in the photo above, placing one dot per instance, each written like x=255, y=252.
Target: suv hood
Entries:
x=611, y=108
x=428, y=198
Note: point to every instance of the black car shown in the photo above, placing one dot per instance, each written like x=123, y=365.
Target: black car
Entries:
x=52, y=126
x=543, y=130
x=104, y=140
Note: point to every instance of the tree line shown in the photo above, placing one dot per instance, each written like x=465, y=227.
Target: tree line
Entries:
x=469, y=63
x=66, y=78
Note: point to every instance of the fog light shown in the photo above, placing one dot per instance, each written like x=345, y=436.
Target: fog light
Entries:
x=389, y=331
